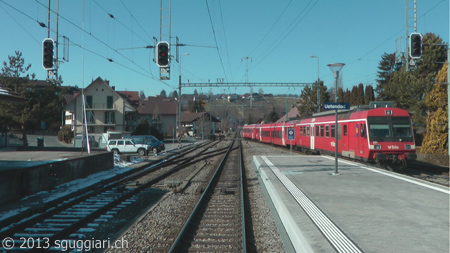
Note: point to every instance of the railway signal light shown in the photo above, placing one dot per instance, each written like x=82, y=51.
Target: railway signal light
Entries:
x=202, y=103
x=415, y=45
x=163, y=55
x=47, y=53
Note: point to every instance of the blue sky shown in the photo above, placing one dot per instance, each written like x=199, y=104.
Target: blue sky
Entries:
x=279, y=37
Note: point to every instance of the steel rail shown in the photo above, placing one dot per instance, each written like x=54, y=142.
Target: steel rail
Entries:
x=243, y=184
x=209, y=189
x=55, y=207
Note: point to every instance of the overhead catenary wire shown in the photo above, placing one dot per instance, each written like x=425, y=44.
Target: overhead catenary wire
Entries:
x=37, y=41
x=215, y=39
x=146, y=73
x=287, y=32
x=105, y=44
x=226, y=41
x=118, y=21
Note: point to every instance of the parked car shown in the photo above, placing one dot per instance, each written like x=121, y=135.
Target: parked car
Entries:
x=119, y=146
x=156, y=146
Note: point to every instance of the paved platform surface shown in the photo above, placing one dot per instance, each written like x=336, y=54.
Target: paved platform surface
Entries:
x=361, y=209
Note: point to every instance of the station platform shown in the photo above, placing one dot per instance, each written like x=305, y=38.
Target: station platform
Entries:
x=359, y=209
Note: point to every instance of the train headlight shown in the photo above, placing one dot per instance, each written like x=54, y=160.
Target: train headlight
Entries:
x=377, y=146
x=407, y=146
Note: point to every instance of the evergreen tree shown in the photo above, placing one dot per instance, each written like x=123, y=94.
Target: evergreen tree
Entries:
x=175, y=94
x=360, y=94
x=163, y=94
x=272, y=116
x=436, y=139
x=43, y=105
x=308, y=99
x=347, y=95
x=341, y=95
x=369, y=95
x=354, y=96
x=408, y=90
x=386, y=69
x=307, y=107
x=142, y=128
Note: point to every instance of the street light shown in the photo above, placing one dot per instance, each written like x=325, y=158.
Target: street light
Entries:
x=179, y=104
x=318, y=82
x=335, y=68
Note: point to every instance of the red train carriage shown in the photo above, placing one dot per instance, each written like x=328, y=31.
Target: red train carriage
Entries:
x=379, y=134
x=249, y=131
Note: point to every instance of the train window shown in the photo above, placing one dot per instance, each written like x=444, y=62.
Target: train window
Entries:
x=345, y=130
x=327, y=131
x=321, y=131
x=317, y=131
x=307, y=131
x=332, y=131
x=363, y=130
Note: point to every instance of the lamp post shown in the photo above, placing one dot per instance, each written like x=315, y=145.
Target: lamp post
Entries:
x=179, y=104
x=336, y=68
x=318, y=83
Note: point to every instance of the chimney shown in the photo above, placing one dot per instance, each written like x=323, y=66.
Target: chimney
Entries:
x=113, y=87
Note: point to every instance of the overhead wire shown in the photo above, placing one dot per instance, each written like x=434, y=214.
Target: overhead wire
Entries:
x=273, y=46
x=271, y=28
x=392, y=36
x=91, y=51
x=20, y=25
x=137, y=22
x=118, y=21
x=226, y=42
x=215, y=39
x=105, y=44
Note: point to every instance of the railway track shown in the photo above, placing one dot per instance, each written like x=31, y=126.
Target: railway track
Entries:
x=77, y=217
x=217, y=222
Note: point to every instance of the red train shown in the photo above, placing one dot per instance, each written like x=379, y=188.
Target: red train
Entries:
x=381, y=135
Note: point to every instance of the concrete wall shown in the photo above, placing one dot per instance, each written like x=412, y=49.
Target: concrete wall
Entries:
x=20, y=182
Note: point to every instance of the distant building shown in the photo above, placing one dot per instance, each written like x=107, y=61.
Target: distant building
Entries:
x=9, y=96
x=106, y=109
x=160, y=112
x=292, y=115
x=198, y=123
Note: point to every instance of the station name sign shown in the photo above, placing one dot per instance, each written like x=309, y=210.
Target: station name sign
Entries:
x=336, y=106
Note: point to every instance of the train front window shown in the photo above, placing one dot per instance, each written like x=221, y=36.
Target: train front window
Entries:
x=401, y=130
x=401, y=127
x=390, y=128
x=379, y=130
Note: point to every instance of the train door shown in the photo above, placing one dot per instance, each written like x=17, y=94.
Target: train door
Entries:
x=283, y=137
x=344, y=142
x=312, y=136
x=362, y=140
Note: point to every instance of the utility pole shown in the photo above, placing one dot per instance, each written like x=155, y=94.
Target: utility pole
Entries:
x=410, y=66
x=53, y=73
x=448, y=89
x=246, y=77
x=164, y=34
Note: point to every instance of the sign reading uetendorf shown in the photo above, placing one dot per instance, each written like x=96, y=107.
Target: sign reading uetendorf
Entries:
x=336, y=106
